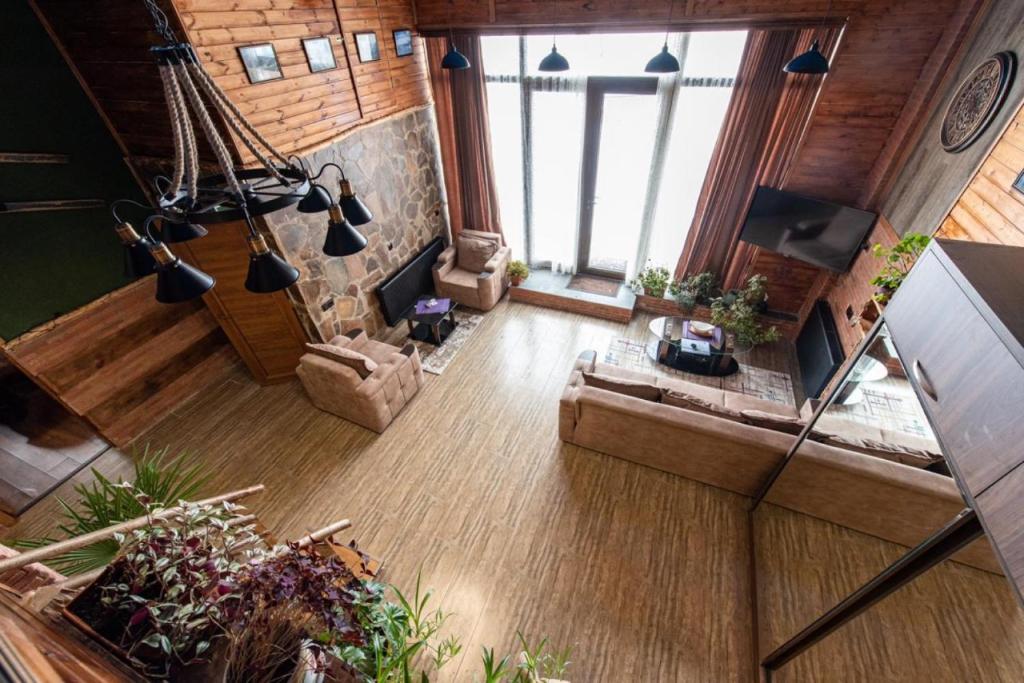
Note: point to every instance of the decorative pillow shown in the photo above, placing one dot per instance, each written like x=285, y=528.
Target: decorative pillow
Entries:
x=779, y=423
x=474, y=253
x=680, y=399
x=363, y=365
x=881, y=449
x=647, y=392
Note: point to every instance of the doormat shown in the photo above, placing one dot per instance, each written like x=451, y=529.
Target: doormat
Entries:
x=594, y=285
x=769, y=385
x=436, y=358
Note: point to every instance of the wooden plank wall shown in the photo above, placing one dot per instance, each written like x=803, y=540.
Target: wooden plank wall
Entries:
x=109, y=44
x=989, y=209
x=124, y=360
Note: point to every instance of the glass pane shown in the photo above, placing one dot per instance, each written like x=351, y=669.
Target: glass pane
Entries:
x=557, y=146
x=623, y=169
x=714, y=54
x=501, y=54
x=696, y=122
x=597, y=54
x=504, y=112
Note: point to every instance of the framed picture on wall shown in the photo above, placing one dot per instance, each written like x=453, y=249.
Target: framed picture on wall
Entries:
x=1018, y=184
x=366, y=46
x=260, y=62
x=319, y=54
x=403, y=42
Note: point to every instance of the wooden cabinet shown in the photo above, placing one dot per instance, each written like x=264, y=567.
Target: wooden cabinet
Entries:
x=969, y=382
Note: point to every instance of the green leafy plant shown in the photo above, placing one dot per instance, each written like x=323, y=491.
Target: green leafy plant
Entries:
x=654, y=280
x=898, y=259
x=517, y=271
x=161, y=479
x=736, y=313
x=174, y=587
x=695, y=290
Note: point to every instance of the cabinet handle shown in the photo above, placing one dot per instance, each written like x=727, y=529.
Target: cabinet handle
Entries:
x=922, y=379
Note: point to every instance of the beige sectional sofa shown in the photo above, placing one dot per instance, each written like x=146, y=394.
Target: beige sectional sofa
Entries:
x=734, y=441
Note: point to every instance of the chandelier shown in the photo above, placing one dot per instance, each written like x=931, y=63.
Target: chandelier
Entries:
x=187, y=200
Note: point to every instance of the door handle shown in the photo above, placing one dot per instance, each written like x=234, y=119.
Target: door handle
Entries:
x=922, y=380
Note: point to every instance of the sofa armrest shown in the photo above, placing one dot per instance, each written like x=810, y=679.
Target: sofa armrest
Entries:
x=444, y=264
x=586, y=361
x=375, y=381
x=499, y=261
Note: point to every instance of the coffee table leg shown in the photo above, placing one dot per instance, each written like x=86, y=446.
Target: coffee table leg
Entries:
x=411, y=327
x=436, y=329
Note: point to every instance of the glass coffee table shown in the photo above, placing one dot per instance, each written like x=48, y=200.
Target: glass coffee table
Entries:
x=693, y=346
x=432, y=328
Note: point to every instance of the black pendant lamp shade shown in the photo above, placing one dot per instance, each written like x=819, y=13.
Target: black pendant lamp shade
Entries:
x=663, y=63
x=810, y=62
x=171, y=231
x=454, y=59
x=554, y=61
x=316, y=200
x=177, y=281
x=352, y=206
x=268, y=272
x=138, y=262
x=342, y=237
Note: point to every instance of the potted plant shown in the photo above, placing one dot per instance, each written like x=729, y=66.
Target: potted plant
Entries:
x=164, y=600
x=695, y=290
x=737, y=314
x=653, y=280
x=898, y=259
x=517, y=272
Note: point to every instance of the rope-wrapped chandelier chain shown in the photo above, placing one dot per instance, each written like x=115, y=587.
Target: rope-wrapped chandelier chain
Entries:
x=177, y=134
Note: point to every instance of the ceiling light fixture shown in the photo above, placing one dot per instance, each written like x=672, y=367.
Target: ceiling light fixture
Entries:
x=554, y=61
x=664, y=62
x=811, y=61
x=453, y=59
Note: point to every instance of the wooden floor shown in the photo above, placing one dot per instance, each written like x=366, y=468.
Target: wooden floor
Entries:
x=644, y=573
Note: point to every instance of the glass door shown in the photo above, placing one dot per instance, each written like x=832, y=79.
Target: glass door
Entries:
x=618, y=145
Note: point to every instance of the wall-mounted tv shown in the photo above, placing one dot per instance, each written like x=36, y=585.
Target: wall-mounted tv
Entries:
x=814, y=231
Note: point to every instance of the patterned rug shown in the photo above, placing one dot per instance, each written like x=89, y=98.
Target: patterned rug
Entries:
x=436, y=358
x=594, y=285
x=752, y=381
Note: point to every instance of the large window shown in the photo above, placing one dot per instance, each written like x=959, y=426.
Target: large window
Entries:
x=599, y=168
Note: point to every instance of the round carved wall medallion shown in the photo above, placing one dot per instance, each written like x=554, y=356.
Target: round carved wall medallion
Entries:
x=976, y=102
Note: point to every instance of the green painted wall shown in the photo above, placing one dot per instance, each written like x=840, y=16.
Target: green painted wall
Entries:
x=52, y=262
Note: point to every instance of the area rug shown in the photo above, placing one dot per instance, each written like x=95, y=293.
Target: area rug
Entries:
x=436, y=358
x=750, y=380
x=594, y=285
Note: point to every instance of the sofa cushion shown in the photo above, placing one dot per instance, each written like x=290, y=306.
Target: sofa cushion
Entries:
x=618, y=385
x=680, y=399
x=474, y=253
x=779, y=423
x=739, y=402
x=363, y=365
x=708, y=394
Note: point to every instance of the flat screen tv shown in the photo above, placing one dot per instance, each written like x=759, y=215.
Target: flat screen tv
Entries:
x=814, y=231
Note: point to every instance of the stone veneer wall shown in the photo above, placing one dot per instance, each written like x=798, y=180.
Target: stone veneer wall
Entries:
x=395, y=168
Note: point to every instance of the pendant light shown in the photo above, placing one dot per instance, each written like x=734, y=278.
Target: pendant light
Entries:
x=342, y=237
x=355, y=211
x=180, y=231
x=812, y=61
x=316, y=200
x=453, y=59
x=268, y=272
x=554, y=61
x=664, y=62
x=138, y=262
x=177, y=281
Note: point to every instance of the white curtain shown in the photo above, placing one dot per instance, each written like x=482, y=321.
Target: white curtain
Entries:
x=556, y=129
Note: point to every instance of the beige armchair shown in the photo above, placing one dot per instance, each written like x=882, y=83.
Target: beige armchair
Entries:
x=364, y=381
x=472, y=271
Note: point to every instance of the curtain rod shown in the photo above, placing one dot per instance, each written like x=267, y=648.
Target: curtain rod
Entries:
x=684, y=25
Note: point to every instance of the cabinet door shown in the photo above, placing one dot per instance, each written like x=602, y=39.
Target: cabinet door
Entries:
x=970, y=384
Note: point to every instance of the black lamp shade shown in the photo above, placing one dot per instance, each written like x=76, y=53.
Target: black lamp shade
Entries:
x=171, y=232
x=554, y=62
x=355, y=211
x=663, y=63
x=454, y=59
x=343, y=239
x=316, y=200
x=138, y=261
x=269, y=273
x=177, y=281
x=810, y=62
